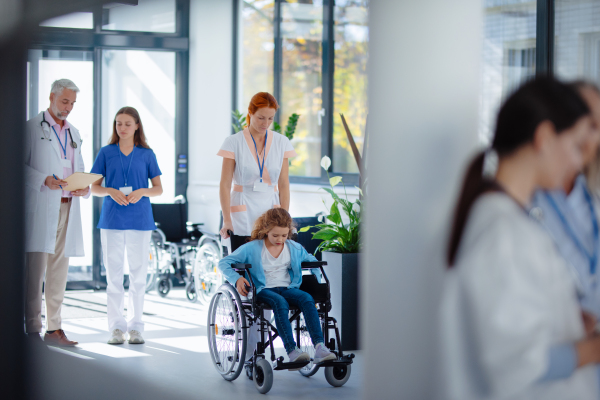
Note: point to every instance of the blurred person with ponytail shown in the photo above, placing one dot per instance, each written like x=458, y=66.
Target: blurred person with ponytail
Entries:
x=511, y=326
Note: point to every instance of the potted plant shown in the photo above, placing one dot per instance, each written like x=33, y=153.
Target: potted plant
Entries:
x=341, y=243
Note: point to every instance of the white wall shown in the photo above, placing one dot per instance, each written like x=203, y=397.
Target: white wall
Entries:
x=423, y=110
x=210, y=116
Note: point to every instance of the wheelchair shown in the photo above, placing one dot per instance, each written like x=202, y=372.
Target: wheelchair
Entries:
x=173, y=249
x=229, y=318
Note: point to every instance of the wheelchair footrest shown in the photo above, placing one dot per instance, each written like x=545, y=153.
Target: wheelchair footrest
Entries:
x=290, y=365
x=347, y=359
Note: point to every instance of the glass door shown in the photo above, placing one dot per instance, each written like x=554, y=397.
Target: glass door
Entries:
x=44, y=67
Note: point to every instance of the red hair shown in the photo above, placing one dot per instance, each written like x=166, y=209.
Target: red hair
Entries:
x=261, y=100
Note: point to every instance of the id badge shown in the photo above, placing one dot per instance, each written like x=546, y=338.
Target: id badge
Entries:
x=260, y=186
x=126, y=190
x=66, y=163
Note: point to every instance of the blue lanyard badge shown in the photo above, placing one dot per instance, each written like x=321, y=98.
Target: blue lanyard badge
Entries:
x=261, y=167
x=593, y=258
x=126, y=175
x=64, y=148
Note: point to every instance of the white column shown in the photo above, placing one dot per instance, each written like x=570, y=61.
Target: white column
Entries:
x=423, y=112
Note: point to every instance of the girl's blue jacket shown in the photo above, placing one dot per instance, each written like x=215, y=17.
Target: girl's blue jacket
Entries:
x=251, y=253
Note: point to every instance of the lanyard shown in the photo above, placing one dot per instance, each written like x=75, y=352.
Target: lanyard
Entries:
x=261, y=168
x=64, y=148
x=130, y=160
x=593, y=258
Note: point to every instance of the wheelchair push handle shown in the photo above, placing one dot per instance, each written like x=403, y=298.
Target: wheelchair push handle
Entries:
x=313, y=264
x=241, y=266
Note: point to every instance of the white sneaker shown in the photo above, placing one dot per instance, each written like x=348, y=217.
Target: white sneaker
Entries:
x=135, y=337
x=322, y=354
x=117, y=337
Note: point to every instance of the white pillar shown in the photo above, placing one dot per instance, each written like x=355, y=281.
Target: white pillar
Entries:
x=423, y=112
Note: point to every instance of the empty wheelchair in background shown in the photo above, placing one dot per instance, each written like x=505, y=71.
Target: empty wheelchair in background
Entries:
x=229, y=317
x=174, y=243
x=206, y=276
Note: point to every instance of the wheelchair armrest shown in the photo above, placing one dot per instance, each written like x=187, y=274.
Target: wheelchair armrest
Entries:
x=313, y=264
x=241, y=266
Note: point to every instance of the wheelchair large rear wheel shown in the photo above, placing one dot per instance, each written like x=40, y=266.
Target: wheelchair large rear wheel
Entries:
x=226, y=338
x=206, y=275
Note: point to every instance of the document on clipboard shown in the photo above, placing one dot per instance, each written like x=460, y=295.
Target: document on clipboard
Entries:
x=81, y=180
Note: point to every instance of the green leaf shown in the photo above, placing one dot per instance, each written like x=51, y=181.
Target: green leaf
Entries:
x=334, y=180
x=276, y=127
x=325, y=234
x=290, y=128
x=334, y=215
x=305, y=229
x=332, y=193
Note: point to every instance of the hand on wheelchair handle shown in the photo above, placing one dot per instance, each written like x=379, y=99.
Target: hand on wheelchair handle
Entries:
x=226, y=230
x=242, y=286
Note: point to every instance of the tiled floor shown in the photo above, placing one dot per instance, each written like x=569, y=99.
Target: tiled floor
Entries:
x=175, y=356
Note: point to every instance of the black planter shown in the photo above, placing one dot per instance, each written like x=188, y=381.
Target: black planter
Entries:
x=342, y=271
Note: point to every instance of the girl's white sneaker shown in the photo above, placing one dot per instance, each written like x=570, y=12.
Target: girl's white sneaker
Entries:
x=135, y=337
x=116, y=337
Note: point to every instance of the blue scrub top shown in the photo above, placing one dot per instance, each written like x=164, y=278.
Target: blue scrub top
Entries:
x=113, y=165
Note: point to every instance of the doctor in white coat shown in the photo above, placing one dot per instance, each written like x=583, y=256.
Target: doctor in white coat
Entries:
x=53, y=231
x=511, y=325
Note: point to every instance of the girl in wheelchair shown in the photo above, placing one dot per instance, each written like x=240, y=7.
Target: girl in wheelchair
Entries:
x=276, y=272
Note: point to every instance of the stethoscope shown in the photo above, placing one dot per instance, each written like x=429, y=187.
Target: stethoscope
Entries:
x=73, y=144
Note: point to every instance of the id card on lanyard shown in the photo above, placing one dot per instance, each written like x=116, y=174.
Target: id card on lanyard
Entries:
x=66, y=163
x=259, y=185
x=126, y=190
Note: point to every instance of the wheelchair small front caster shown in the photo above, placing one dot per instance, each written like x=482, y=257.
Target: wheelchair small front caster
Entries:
x=190, y=292
x=249, y=371
x=263, y=376
x=164, y=286
x=337, y=376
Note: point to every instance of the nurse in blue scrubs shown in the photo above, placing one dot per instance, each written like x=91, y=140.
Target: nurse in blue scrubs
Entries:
x=126, y=221
x=571, y=216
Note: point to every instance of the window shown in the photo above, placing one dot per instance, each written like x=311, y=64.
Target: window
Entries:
x=77, y=20
x=146, y=16
x=144, y=80
x=311, y=55
x=577, y=40
x=509, y=55
x=349, y=80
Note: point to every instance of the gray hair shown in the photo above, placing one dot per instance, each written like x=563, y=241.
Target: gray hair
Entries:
x=61, y=84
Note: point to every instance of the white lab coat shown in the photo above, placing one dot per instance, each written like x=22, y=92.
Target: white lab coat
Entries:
x=246, y=204
x=507, y=300
x=42, y=205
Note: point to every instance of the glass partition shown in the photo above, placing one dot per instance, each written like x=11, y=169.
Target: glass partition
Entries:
x=45, y=67
x=77, y=20
x=144, y=80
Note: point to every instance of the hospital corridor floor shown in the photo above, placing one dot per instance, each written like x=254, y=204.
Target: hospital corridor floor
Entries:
x=174, y=361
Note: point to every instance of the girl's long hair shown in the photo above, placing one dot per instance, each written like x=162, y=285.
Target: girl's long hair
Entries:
x=275, y=217
x=139, y=138
x=541, y=99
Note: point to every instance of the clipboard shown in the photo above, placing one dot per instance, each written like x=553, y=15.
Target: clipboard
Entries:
x=81, y=180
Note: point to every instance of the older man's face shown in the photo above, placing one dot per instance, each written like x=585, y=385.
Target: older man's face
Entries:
x=62, y=104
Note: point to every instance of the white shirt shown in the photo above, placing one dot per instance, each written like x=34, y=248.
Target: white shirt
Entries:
x=276, y=269
x=506, y=302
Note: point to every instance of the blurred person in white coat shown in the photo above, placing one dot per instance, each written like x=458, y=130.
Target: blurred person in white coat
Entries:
x=53, y=231
x=511, y=324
